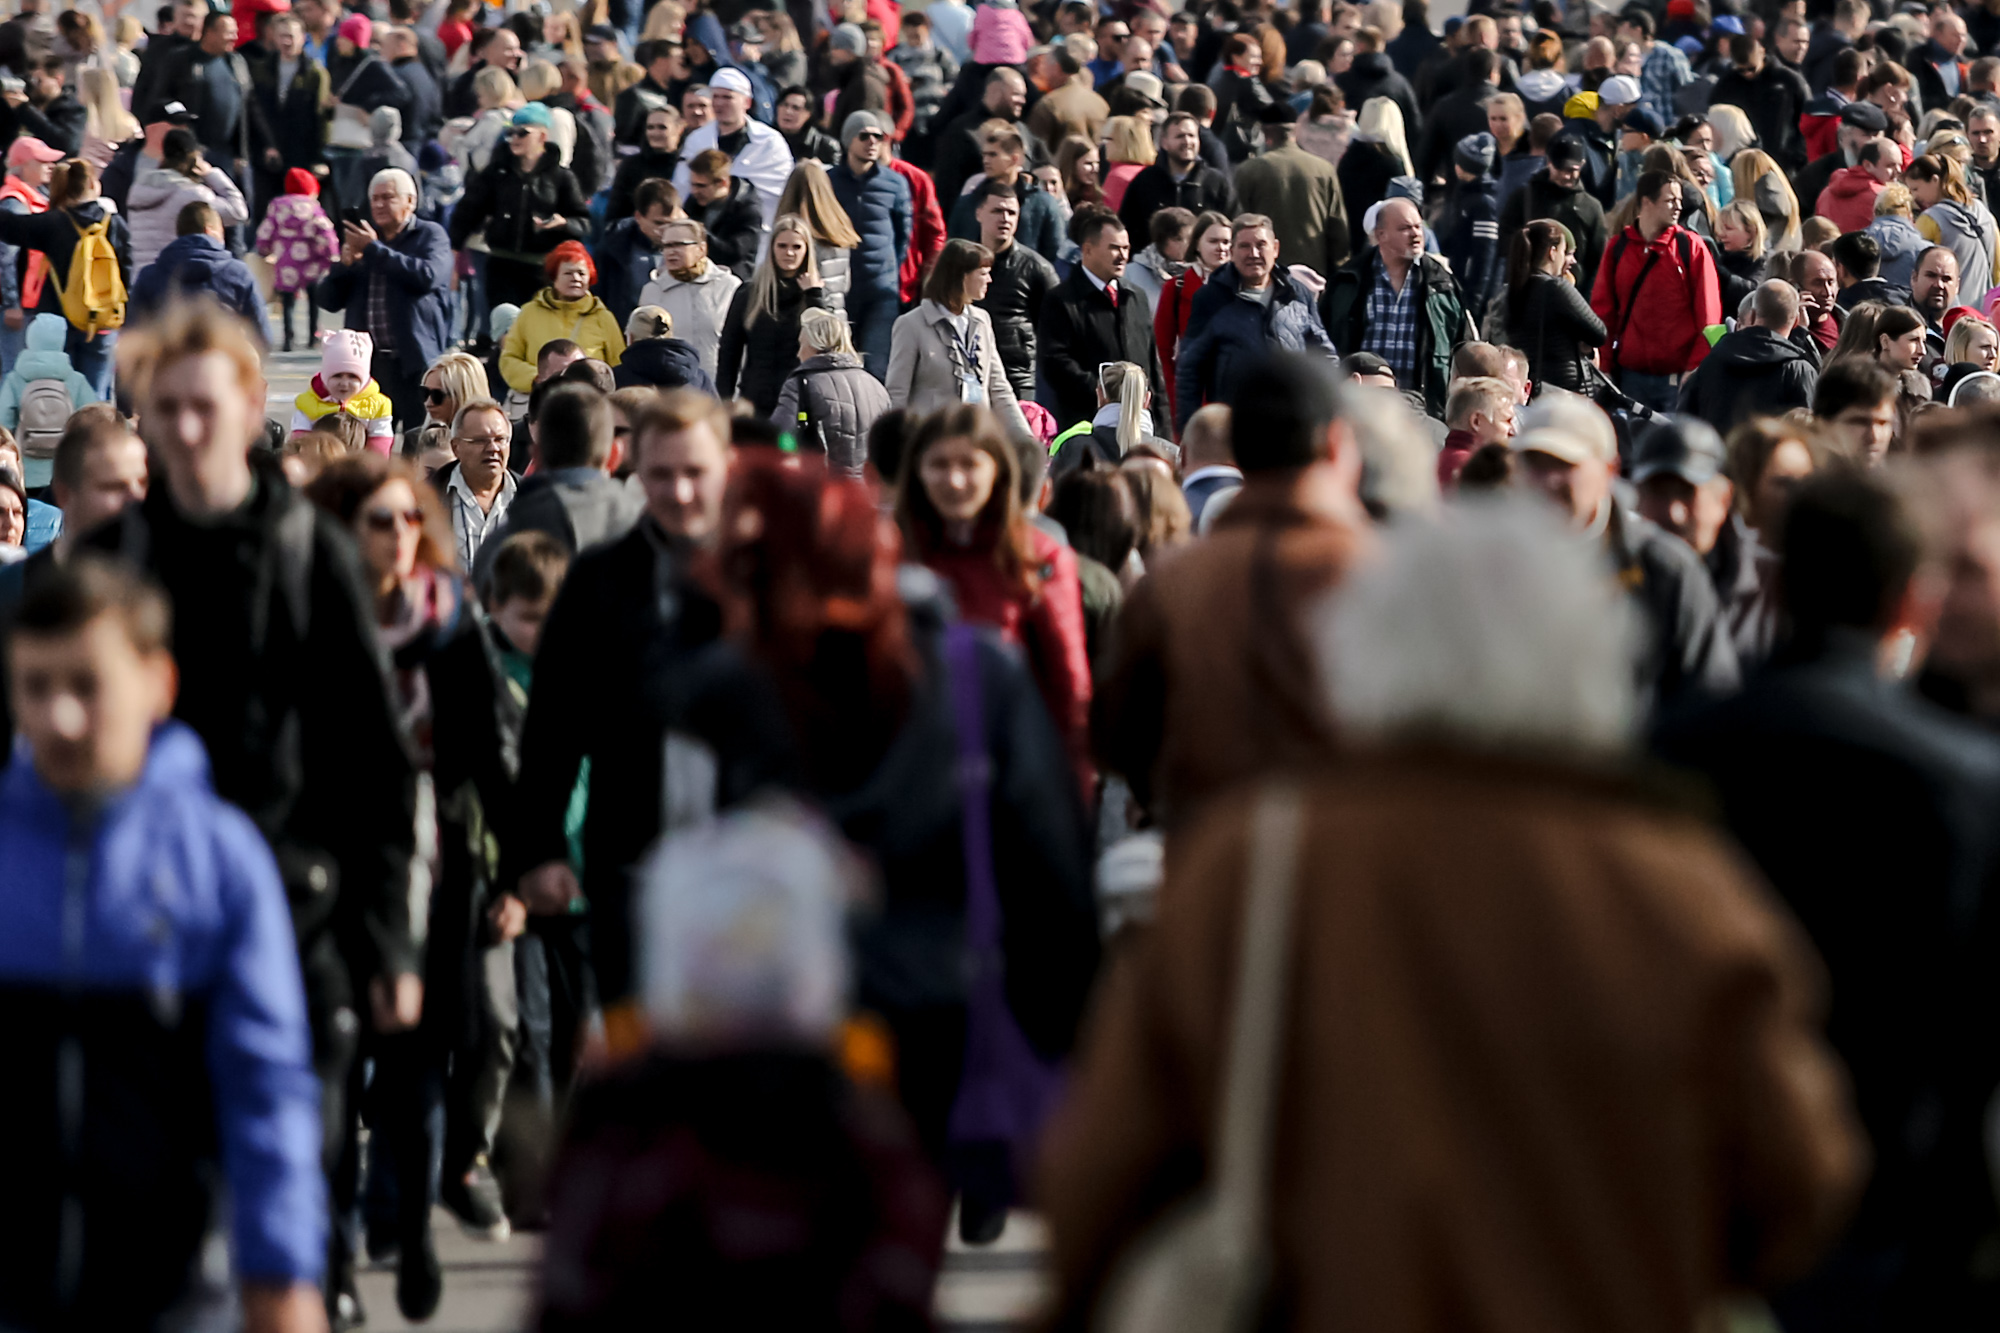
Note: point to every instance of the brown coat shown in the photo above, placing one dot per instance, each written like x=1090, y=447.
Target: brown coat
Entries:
x=1073, y=109
x=1209, y=679
x=1552, y=1061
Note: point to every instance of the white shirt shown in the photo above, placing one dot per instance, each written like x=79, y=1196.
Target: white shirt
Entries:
x=471, y=525
x=766, y=162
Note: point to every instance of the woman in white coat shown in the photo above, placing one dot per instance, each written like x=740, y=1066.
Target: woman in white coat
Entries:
x=942, y=353
x=158, y=195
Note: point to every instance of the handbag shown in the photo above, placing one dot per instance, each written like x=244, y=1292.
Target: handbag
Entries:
x=349, y=126
x=1206, y=1266
x=1006, y=1090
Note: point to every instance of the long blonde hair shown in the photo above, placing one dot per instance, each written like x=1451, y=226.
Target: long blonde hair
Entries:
x=1125, y=142
x=1733, y=131
x=764, y=283
x=665, y=19
x=1752, y=165
x=104, y=116
x=1126, y=384
x=1382, y=122
x=809, y=195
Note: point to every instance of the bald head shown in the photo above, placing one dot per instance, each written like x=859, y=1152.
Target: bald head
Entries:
x=1777, y=307
x=1399, y=233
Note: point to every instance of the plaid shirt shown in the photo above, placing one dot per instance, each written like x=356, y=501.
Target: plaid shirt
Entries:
x=379, y=327
x=1665, y=73
x=1392, y=324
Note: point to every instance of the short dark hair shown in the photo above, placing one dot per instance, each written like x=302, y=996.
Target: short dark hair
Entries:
x=1091, y=221
x=646, y=53
x=72, y=593
x=528, y=565
x=1652, y=182
x=1480, y=64
x=993, y=189
x=90, y=426
x=554, y=347
x=1475, y=359
x=1279, y=412
x=1096, y=510
x=196, y=218
x=888, y=440
x=1847, y=64
x=208, y=25
x=1857, y=252
x=1872, y=151
x=1031, y=464
x=1169, y=223
x=1638, y=17
x=1852, y=381
x=655, y=190
x=1850, y=548
x=796, y=90
x=573, y=428
x=1198, y=100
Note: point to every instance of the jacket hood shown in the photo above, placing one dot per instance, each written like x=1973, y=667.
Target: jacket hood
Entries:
x=831, y=361
x=1371, y=67
x=1537, y=85
x=175, y=763
x=196, y=257
x=47, y=333
x=588, y=304
x=1852, y=182
x=657, y=359
x=1754, y=349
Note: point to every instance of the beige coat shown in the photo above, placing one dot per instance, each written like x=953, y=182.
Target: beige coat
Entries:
x=921, y=374
x=1552, y=1061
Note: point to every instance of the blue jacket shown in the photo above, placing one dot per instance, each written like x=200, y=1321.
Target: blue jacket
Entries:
x=878, y=205
x=199, y=263
x=418, y=265
x=180, y=992
x=1471, y=237
x=1228, y=333
x=625, y=264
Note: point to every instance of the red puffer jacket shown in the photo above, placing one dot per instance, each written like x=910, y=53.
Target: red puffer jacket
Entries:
x=1048, y=629
x=1663, y=319
x=1170, y=322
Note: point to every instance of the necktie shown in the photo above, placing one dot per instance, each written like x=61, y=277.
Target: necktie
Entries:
x=1111, y=294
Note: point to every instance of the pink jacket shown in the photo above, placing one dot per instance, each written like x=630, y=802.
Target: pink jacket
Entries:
x=298, y=240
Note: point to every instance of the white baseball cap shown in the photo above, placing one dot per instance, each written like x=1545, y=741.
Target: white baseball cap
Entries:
x=1618, y=90
x=735, y=80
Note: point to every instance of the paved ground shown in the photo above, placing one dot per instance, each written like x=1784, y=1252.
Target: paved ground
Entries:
x=487, y=1287
x=288, y=373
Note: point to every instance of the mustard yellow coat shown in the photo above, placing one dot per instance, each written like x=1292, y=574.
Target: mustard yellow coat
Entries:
x=587, y=322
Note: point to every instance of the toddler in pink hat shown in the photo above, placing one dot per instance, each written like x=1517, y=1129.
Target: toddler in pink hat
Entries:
x=344, y=385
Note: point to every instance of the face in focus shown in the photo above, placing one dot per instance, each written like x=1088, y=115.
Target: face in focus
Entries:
x=977, y=282
x=999, y=163
x=788, y=252
x=684, y=474
x=482, y=451
x=958, y=478
x=86, y=703
x=1982, y=347
x=1577, y=489
x=660, y=132
x=999, y=218
x=1818, y=285
x=1867, y=431
x=114, y=476
x=1107, y=253
x=865, y=150
x=572, y=280
x=793, y=114
x=389, y=526
x=1693, y=513
x=391, y=208
x=1656, y=215
x=731, y=108
x=198, y=417
x=1934, y=285
x=1903, y=352
x=684, y=253
x=1983, y=130
x=1254, y=251
x=343, y=385
x=1399, y=231
x=1790, y=463
x=1213, y=247
x=1182, y=143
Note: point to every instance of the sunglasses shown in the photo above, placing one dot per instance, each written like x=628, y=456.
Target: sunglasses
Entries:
x=869, y=134
x=518, y=131
x=434, y=395
x=387, y=520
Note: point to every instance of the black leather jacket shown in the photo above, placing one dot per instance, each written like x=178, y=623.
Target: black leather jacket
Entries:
x=1021, y=279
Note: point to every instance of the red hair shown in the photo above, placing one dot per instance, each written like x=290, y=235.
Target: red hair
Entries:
x=570, y=252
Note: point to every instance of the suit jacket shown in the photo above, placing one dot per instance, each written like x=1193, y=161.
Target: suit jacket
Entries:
x=417, y=264
x=1079, y=330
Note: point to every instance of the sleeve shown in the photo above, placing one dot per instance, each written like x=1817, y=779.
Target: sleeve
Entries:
x=267, y=232
x=66, y=136
x=301, y=423
x=267, y=1103
x=553, y=738
x=901, y=380
x=1135, y=210
x=1583, y=322
x=1057, y=358
x=999, y=391
x=787, y=410
x=903, y=218
x=335, y=289
x=1062, y=660
x=1166, y=337
x=515, y=366
x=1191, y=374
x=472, y=210
x=229, y=205
x=1602, y=291
x=423, y=271
x=729, y=354
x=1707, y=297
x=10, y=400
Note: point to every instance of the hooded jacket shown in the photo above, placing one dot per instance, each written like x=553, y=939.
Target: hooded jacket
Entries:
x=156, y=200
x=1542, y=92
x=1848, y=201
x=1372, y=75
x=42, y=359
x=666, y=363
x=1748, y=373
x=1573, y=206
x=625, y=263
x=177, y=994
x=831, y=401
x=587, y=322
x=735, y=226
x=1968, y=232
x=199, y=263
x=1901, y=242
x=1229, y=334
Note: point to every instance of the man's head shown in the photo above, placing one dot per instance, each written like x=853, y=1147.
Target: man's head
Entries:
x=1934, y=283
x=1791, y=41
x=1399, y=232
x=1564, y=157
x=198, y=218
x=1853, y=556
x=1776, y=303
x=91, y=673
x=1851, y=17
x=1180, y=141
x=682, y=458
x=1198, y=100
x=1817, y=283
x=1368, y=369
x=482, y=438
x=729, y=94
x=999, y=215
x=45, y=76
x=1856, y=256
x=1854, y=400
x=1636, y=25
x=684, y=249
x=1881, y=159
x=655, y=204
x=189, y=15
x=1568, y=452
x=503, y=49
x=1982, y=130
x=99, y=468
x=1002, y=154
x=31, y=160
x=286, y=35
x=1006, y=93
x=794, y=110
x=1659, y=201
x=1678, y=468
x=528, y=569
x=392, y=200
x=1483, y=407
x=572, y=429
x=398, y=44
x=556, y=356
x=863, y=138
x=1948, y=31
x=198, y=383
x=1102, y=241
x=1285, y=415
x=708, y=177
x=1253, y=249
x=697, y=108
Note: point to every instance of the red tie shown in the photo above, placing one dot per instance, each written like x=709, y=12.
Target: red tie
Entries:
x=1111, y=294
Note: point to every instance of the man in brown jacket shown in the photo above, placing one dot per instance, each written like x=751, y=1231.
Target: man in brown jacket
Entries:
x=1209, y=678
x=1550, y=1056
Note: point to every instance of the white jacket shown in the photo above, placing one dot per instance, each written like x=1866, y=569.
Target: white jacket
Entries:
x=699, y=308
x=766, y=162
x=155, y=202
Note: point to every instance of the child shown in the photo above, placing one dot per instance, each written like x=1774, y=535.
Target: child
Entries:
x=299, y=241
x=169, y=973
x=38, y=418
x=45, y=521
x=344, y=385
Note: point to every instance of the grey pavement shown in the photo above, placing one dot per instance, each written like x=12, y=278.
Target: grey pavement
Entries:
x=488, y=1285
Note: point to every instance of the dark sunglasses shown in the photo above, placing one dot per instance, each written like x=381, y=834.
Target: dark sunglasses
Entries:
x=517, y=131
x=386, y=520
x=435, y=395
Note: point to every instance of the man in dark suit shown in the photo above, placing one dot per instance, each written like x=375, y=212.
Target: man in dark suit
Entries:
x=1094, y=317
x=393, y=279
x=1872, y=813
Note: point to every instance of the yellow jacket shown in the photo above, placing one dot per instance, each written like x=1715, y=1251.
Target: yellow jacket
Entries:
x=588, y=323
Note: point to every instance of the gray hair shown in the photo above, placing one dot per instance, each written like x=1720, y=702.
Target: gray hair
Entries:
x=1498, y=630
x=468, y=408
x=406, y=185
x=385, y=124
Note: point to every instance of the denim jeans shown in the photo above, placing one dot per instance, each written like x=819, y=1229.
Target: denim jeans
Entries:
x=1661, y=393
x=92, y=357
x=872, y=316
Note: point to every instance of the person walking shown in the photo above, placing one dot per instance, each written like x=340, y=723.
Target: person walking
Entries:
x=1559, y=192
x=829, y=401
x=1207, y=254
x=1021, y=282
x=1755, y=370
x=524, y=204
x=158, y=195
x=1656, y=292
x=760, y=336
x=288, y=87
x=567, y=308
x=695, y=292
x=1401, y=304
x=75, y=211
x=1178, y=179
x=945, y=351
x=1547, y=317
x=1248, y=309
x=1094, y=317
x=1300, y=193
x=877, y=203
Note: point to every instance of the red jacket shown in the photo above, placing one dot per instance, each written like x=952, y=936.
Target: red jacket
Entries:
x=902, y=106
x=1170, y=323
x=1821, y=133
x=926, y=231
x=1048, y=630
x=1664, y=319
x=1848, y=201
x=1458, y=448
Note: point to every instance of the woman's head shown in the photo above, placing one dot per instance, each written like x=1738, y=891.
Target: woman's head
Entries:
x=393, y=514
x=453, y=380
x=13, y=506
x=570, y=270
x=823, y=331
x=1381, y=122
x=792, y=252
x=1972, y=339
x=105, y=115
x=1740, y=229
x=1127, y=141
x=962, y=273
x=1327, y=103
x=179, y=149
x=1078, y=162
x=1208, y=243
x=538, y=79
x=1545, y=51
x=959, y=485
x=1768, y=458
x=1733, y=131
x=1540, y=247
x=809, y=194
x=1934, y=178
x=495, y=87
x=1164, y=518
x=1899, y=338
x=1097, y=513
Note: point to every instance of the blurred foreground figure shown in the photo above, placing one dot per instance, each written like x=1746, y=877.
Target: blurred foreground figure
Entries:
x=734, y=1171
x=1873, y=813
x=1550, y=1059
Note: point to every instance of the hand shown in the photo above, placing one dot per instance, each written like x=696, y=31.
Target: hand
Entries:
x=549, y=889
x=15, y=319
x=13, y=98
x=298, y=1308
x=508, y=916
x=397, y=1002
x=811, y=282
x=273, y=160
x=550, y=224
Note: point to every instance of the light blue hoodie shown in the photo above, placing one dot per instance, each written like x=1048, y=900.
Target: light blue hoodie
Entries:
x=42, y=359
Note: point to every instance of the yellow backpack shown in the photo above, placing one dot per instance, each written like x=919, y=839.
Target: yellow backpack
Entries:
x=93, y=299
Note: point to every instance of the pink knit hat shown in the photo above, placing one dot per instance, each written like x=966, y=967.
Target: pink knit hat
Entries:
x=357, y=28
x=1000, y=36
x=347, y=350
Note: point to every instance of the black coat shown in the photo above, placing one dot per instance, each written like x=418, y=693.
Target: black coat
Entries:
x=1687, y=655
x=297, y=717
x=1238, y=100
x=1773, y=101
x=503, y=203
x=1365, y=172
x=146, y=94
x=609, y=632
x=1740, y=275
x=185, y=80
x=634, y=171
x=1553, y=322
x=813, y=142
x=1154, y=189
x=1079, y=330
x=1022, y=282
x=1871, y=812
x=1809, y=183
x=1450, y=120
x=665, y=363
x=424, y=115
x=60, y=124
x=1748, y=373
x=1577, y=209
x=1373, y=75
x=752, y=363
x=289, y=118
x=735, y=224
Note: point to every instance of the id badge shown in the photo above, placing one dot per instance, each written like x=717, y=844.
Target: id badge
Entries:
x=971, y=389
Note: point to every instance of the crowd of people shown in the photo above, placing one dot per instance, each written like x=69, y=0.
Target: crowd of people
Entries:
x=1360, y=662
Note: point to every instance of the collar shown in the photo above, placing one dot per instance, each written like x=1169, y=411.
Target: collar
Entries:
x=1225, y=470
x=457, y=485
x=1107, y=415
x=1093, y=279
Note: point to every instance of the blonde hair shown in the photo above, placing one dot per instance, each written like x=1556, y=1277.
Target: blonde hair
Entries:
x=1959, y=341
x=463, y=377
x=1126, y=385
x=1895, y=198
x=649, y=321
x=1481, y=393
x=665, y=19
x=1125, y=141
x=187, y=328
x=809, y=195
x=1752, y=165
x=1747, y=217
x=825, y=330
x=129, y=31
x=495, y=87
x=538, y=79
x=104, y=115
x=571, y=43
x=764, y=282
x=1733, y=131
x=1381, y=122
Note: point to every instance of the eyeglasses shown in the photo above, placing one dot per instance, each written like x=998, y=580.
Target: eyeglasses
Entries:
x=434, y=395
x=387, y=520
x=518, y=131
x=488, y=440
x=680, y=245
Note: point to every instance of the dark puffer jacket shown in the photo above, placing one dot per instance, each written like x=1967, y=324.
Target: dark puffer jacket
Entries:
x=878, y=204
x=1022, y=280
x=735, y=225
x=839, y=400
x=1552, y=323
x=663, y=363
x=503, y=203
x=1748, y=373
x=754, y=362
x=1229, y=333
